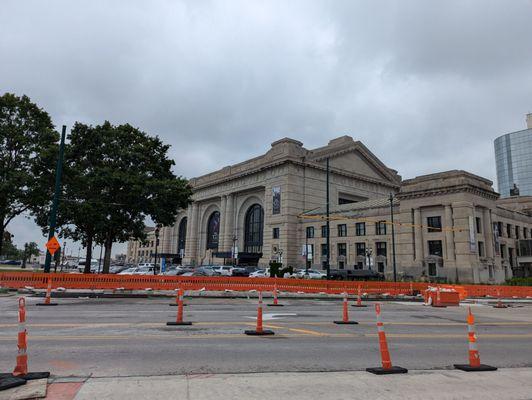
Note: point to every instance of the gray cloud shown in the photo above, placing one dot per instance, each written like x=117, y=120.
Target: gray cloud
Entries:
x=426, y=85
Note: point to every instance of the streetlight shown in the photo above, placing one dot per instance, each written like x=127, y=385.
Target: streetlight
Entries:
x=234, y=252
x=156, y=246
x=393, y=239
x=369, y=252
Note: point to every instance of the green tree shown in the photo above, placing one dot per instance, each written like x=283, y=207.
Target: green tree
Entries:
x=30, y=249
x=9, y=250
x=28, y=147
x=115, y=178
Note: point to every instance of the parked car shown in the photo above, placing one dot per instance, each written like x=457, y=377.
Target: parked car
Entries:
x=129, y=271
x=173, y=271
x=260, y=273
x=224, y=270
x=206, y=270
x=240, y=271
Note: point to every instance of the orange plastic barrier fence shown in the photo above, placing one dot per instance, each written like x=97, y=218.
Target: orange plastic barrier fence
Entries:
x=158, y=282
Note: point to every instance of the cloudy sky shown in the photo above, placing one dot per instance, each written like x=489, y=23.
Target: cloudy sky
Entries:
x=426, y=85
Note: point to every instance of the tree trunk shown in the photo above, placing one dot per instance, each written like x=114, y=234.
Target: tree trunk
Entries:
x=107, y=257
x=88, y=256
x=2, y=233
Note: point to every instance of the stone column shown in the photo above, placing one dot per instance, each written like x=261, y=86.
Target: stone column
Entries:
x=223, y=216
x=488, y=233
x=191, y=245
x=418, y=233
x=229, y=221
x=449, y=233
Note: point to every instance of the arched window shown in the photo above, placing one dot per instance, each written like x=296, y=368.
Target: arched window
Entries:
x=182, y=235
x=253, y=227
x=213, y=230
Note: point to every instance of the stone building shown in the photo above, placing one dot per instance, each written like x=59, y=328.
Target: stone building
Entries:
x=142, y=251
x=448, y=225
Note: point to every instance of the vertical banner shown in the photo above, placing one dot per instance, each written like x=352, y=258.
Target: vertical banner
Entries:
x=276, y=200
x=163, y=264
x=472, y=235
x=310, y=251
x=496, y=240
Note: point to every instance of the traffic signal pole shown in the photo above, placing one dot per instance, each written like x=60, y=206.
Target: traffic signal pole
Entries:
x=53, y=212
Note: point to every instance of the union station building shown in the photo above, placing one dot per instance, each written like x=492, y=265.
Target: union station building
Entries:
x=449, y=226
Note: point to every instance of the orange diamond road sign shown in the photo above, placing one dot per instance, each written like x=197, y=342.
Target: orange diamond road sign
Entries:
x=53, y=245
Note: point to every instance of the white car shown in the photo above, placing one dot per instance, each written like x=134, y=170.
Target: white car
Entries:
x=260, y=273
x=129, y=271
x=310, y=274
x=224, y=270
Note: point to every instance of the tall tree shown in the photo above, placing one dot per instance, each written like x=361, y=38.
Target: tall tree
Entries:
x=28, y=146
x=116, y=177
x=30, y=249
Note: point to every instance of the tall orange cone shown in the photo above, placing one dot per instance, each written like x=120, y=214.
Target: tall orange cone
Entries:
x=275, y=300
x=47, y=299
x=499, y=302
x=176, y=303
x=387, y=367
x=345, y=314
x=359, y=298
x=474, y=357
x=179, y=319
x=259, y=331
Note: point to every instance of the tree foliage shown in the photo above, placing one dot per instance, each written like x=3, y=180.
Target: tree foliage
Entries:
x=28, y=147
x=116, y=177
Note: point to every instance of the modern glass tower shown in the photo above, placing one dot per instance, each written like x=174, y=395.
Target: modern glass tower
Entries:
x=513, y=159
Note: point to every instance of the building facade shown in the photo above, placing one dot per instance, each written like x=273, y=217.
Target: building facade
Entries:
x=449, y=226
x=513, y=159
x=139, y=251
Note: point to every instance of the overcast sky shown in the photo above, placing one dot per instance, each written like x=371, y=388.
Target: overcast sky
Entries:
x=426, y=85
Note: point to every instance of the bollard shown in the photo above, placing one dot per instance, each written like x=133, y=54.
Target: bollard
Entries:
x=179, y=319
x=387, y=367
x=359, y=299
x=47, y=299
x=474, y=357
x=345, y=316
x=275, y=300
x=259, y=331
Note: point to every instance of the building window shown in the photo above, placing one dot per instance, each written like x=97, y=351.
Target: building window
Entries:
x=525, y=233
x=253, y=227
x=324, y=231
x=481, y=249
x=509, y=230
x=275, y=233
x=380, y=267
x=213, y=230
x=479, y=224
x=434, y=224
x=182, y=236
x=324, y=249
x=381, y=248
x=516, y=232
x=361, y=249
x=432, y=269
x=380, y=228
x=503, y=251
x=360, y=229
x=435, y=248
x=359, y=265
x=511, y=256
x=342, y=230
x=342, y=252
x=310, y=232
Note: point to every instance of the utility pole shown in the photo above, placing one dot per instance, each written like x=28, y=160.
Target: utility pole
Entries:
x=156, y=247
x=53, y=213
x=328, y=262
x=393, y=239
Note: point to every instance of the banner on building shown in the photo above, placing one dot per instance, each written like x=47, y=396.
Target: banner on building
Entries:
x=496, y=241
x=472, y=235
x=276, y=200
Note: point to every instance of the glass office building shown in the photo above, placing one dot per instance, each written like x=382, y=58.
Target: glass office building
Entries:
x=513, y=159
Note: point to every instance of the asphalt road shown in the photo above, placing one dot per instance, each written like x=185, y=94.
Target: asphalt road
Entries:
x=128, y=337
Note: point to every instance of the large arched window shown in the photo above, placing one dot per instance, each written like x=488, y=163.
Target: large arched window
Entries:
x=253, y=227
x=182, y=235
x=213, y=230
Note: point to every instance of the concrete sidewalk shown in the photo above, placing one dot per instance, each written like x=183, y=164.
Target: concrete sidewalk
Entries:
x=508, y=383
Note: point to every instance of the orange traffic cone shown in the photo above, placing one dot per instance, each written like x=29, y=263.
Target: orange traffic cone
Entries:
x=275, y=300
x=20, y=374
x=179, y=319
x=47, y=299
x=499, y=302
x=345, y=316
x=387, y=367
x=474, y=357
x=176, y=304
x=259, y=331
x=438, y=302
x=359, y=299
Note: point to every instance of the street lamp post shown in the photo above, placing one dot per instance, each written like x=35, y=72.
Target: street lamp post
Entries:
x=156, y=247
x=233, y=252
x=369, y=252
x=393, y=239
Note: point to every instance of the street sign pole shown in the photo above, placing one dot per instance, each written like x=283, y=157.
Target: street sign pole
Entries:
x=53, y=213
